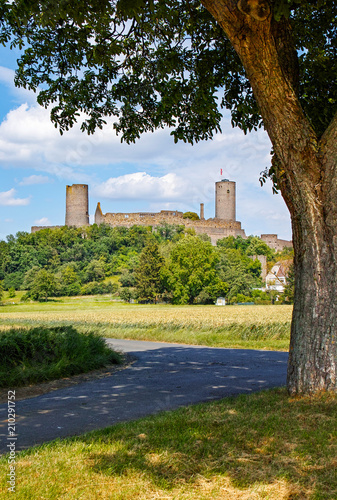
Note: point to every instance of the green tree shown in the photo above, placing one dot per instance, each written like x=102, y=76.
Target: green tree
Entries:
x=29, y=277
x=127, y=279
x=155, y=63
x=43, y=286
x=171, y=232
x=289, y=289
x=95, y=270
x=259, y=247
x=69, y=282
x=126, y=294
x=191, y=215
x=192, y=268
x=1, y=291
x=148, y=274
x=238, y=271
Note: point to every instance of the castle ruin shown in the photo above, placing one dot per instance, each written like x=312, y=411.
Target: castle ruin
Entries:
x=222, y=225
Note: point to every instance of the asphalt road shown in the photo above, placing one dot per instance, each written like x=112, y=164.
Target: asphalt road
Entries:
x=164, y=376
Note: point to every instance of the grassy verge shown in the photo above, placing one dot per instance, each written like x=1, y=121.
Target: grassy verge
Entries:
x=40, y=354
x=260, y=446
x=272, y=336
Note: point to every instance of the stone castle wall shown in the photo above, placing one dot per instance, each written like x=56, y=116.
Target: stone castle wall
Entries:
x=214, y=228
x=274, y=242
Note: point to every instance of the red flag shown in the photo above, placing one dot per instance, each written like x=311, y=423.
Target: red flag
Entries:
x=220, y=171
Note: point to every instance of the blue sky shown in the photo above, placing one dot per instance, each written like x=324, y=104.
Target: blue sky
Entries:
x=37, y=163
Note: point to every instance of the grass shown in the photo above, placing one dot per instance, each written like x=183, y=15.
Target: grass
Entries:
x=251, y=327
x=41, y=354
x=260, y=446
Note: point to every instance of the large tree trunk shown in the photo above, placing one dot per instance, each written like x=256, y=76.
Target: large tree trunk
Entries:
x=306, y=169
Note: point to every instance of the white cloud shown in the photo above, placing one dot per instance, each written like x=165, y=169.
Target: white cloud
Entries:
x=7, y=78
x=7, y=198
x=44, y=221
x=27, y=125
x=34, y=179
x=142, y=186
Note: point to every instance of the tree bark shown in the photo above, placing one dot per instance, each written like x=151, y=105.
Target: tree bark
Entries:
x=306, y=169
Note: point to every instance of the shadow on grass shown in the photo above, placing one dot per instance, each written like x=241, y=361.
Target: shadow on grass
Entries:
x=257, y=439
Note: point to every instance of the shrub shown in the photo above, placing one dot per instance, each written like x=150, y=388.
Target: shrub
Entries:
x=41, y=354
x=126, y=294
x=96, y=288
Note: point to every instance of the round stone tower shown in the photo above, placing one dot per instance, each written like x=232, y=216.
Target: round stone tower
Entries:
x=225, y=200
x=77, y=205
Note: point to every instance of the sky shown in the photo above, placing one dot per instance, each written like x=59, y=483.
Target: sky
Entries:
x=37, y=163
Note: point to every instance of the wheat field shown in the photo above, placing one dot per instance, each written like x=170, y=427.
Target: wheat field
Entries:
x=251, y=327
x=149, y=315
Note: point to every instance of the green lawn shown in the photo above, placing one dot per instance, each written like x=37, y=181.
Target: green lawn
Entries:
x=260, y=446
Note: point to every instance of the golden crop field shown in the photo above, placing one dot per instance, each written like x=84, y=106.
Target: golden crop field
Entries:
x=150, y=315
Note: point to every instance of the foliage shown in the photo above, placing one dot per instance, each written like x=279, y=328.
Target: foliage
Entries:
x=126, y=294
x=107, y=251
x=98, y=288
x=258, y=247
x=239, y=271
x=192, y=268
x=43, y=286
x=41, y=354
x=126, y=278
x=289, y=290
x=92, y=58
x=191, y=215
x=95, y=270
x=148, y=274
x=1, y=291
x=169, y=232
x=74, y=260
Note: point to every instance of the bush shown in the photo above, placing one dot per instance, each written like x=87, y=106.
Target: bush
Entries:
x=96, y=288
x=126, y=294
x=191, y=216
x=41, y=354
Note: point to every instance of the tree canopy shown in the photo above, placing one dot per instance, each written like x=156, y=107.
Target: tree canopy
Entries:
x=152, y=64
x=154, y=267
